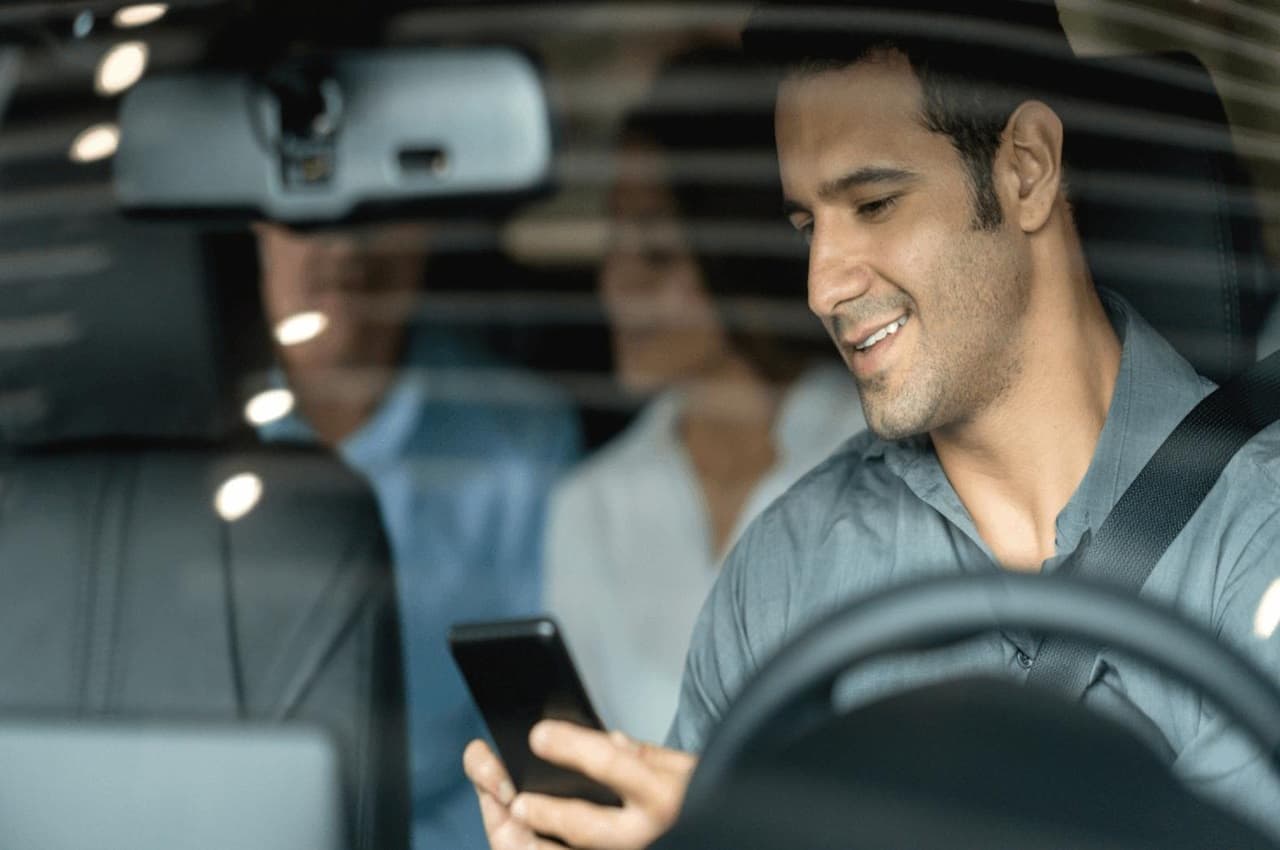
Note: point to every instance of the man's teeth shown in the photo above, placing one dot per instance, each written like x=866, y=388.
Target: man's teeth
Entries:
x=887, y=330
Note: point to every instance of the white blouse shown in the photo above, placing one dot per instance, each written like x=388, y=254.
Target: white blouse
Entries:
x=629, y=554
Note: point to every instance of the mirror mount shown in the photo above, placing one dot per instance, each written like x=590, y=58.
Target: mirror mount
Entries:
x=304, y=111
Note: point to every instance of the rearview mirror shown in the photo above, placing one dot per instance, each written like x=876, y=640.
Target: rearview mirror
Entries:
x=328, y=139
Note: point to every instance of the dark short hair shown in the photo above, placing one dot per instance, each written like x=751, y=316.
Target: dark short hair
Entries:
x=975, y=63
x=709, y=113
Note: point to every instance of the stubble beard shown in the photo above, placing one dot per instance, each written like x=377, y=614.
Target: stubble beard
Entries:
x=971, y=361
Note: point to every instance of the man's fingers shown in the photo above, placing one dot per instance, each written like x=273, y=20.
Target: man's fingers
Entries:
x=577, y=822
x=662, y=758
x=505, y=832
x=486, y=772
x=493, y=813
x=596, y=755
x=672, y=761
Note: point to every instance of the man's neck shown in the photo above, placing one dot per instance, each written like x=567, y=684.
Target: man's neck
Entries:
x=1016, y=465
x=336, y=402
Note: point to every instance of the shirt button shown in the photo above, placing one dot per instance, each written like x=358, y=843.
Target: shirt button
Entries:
x=1024, y=660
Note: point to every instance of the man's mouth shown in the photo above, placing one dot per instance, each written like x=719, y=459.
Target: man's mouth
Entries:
x=883, y=333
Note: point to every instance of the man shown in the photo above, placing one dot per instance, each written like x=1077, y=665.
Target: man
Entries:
x=1011, y=402
x=461, y=453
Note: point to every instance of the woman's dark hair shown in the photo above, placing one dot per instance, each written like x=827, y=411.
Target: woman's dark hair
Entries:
x=976, y=62
x=710, y=114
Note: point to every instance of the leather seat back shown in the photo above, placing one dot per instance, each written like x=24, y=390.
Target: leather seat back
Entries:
x=125, y=592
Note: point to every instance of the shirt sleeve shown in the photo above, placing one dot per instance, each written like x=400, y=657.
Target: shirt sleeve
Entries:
x=1220, y=761
x=741, y=622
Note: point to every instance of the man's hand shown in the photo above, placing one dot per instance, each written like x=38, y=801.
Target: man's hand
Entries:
x=650, y=780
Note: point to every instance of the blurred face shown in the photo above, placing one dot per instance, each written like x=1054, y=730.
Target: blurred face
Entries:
x=664, y=325
x=362, y=281
x=925, y=308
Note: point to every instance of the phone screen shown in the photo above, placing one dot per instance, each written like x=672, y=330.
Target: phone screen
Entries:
x=519, y=672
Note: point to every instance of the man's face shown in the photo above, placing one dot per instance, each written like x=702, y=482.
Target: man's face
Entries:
x=363, y=281
x=925, y=308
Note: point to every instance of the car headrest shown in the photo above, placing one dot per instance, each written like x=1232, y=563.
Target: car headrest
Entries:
x=108, y=331
x=1164, y=207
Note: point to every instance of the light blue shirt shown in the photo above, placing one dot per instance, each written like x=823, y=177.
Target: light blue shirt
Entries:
x=461, y=455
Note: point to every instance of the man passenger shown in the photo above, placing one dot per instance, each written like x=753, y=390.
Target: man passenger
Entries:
x=1011, y=403
x=462, y=476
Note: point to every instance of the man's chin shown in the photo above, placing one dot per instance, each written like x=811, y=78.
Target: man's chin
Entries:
x=891, y=423
x=892, y=434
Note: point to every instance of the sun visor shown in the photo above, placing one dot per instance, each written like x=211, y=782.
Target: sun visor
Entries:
x=334, y=138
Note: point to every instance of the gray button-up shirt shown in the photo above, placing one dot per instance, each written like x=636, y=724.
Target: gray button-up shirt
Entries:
x=876, y=514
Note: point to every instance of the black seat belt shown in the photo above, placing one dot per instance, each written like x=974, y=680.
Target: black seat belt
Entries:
x=1158, y=504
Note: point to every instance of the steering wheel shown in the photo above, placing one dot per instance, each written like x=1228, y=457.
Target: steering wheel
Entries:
x=795, y=688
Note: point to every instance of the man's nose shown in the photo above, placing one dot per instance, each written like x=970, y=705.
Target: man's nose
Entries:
x=839, y=269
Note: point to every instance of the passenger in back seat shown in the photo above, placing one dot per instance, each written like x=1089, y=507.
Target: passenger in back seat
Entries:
x=460, y=449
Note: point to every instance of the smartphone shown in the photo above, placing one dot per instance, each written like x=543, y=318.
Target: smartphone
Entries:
x=519, y=672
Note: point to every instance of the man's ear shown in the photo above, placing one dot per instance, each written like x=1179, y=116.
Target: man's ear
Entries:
x=1034, y=137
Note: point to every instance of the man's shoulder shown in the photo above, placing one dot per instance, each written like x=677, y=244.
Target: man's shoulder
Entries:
x=853, y=482
x=1256, y=467
x=855, y=468
x=468, y=399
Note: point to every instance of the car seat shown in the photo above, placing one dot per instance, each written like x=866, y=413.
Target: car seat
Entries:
x=135, y=582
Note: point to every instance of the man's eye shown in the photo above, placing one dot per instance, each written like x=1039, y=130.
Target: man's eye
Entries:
x=877, y=208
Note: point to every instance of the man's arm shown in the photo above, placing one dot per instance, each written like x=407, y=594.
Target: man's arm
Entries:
x=741, y=623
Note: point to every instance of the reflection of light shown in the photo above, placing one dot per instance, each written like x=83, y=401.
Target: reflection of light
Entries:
x=301, y=327
x=237, y=496
x=121, y=67
x=94, y=143
x=1268, y=616
x=268, y=406
x=82, y=26
x=140, y=15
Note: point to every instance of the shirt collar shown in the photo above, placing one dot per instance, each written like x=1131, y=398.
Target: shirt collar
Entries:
x=391, y=426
